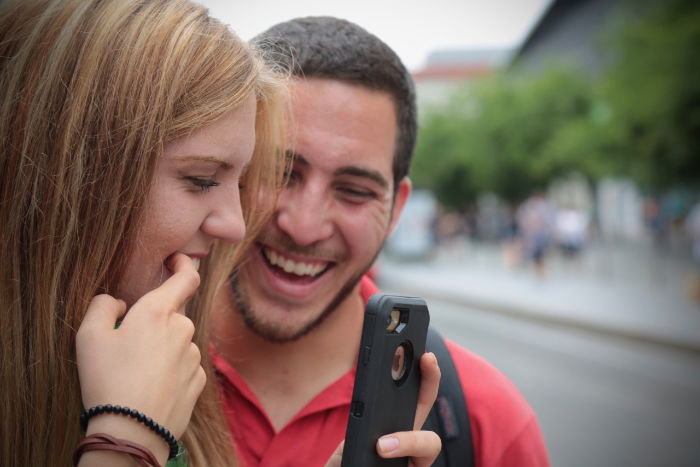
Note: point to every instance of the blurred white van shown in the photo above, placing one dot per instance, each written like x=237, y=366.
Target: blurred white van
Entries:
x=414, y=236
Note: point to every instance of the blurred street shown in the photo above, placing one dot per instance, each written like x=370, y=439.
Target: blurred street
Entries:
x=624, y=289
x=607, y=350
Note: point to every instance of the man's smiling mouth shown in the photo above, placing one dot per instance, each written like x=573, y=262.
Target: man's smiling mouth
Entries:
x=294, y=267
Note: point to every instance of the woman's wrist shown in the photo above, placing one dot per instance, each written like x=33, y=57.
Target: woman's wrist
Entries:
x=142, y=418
x=125, y=428
x=104, y=442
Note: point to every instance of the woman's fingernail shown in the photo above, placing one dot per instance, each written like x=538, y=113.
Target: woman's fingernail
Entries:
x=388, y=443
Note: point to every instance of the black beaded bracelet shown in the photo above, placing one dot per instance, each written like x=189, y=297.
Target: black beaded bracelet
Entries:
x=136, y=415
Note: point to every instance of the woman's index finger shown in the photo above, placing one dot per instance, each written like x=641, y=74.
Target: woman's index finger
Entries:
x=174, y=293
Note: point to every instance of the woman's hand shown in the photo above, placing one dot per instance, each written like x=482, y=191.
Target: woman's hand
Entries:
x=422, y=447
x=149, y=364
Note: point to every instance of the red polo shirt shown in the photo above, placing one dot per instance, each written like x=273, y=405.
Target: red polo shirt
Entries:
x=505, y=430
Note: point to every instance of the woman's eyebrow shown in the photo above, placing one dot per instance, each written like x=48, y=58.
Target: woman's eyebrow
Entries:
x=295, y=158
x=199, y=158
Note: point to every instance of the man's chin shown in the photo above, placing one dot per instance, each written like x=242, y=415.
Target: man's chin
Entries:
x=280, y=330
x=275, y=333
x=271, y=329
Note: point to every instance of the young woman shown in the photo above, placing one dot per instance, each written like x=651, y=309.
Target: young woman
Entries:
x=127, y=129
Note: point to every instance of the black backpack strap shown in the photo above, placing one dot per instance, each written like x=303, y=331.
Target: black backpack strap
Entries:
x=449, y=417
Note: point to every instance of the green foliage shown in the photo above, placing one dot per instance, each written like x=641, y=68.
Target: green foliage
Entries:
x=509, y=135
x=654, y=90
x=513, y=134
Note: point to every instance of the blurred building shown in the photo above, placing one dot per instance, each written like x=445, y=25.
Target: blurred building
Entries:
x=569, y=31
x=573, y=32
x=446, y=70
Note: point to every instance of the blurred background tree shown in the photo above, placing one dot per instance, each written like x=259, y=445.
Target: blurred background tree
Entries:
x=514, y=133
x=508, y=135
x=653, y=88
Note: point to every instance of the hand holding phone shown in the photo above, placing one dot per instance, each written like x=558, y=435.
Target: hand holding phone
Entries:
x=388, y=377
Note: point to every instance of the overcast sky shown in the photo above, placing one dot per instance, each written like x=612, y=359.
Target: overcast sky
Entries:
x=413, y=28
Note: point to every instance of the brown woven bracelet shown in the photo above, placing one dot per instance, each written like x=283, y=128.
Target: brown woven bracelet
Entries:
x=105, y=442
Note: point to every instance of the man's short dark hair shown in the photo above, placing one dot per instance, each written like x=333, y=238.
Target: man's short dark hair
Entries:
x=327, y=47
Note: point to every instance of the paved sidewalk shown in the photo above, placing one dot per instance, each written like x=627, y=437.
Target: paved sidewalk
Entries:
x=635, y=293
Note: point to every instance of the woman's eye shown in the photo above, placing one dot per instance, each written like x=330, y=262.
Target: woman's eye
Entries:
x=290, y=176
x=203, y=184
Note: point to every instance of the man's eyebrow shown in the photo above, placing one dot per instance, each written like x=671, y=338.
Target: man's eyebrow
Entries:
x=346, y=170
x=197, y=158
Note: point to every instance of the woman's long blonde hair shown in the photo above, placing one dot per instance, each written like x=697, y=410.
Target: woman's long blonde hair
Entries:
x=90, y=91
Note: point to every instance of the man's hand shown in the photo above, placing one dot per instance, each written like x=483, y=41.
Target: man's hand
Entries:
x=422, y=447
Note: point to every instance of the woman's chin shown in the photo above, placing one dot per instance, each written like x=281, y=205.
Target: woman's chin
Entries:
x=135, y=286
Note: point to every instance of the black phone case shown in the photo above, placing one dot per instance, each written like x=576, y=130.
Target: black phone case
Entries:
x=380, y=405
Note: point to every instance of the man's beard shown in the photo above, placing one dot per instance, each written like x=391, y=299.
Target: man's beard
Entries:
x=273, y=332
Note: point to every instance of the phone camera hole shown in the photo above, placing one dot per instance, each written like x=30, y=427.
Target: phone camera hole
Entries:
x=401, y=363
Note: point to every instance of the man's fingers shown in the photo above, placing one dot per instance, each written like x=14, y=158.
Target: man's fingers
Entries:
x=174, y=293
x=429, y=385
x=422, y=447
x=103, y=311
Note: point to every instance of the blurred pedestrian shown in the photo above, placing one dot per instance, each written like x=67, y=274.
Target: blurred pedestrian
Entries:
x=536, y=220
x=692, y=228
x=656, y=221
x=571, y=231
x=511, y=243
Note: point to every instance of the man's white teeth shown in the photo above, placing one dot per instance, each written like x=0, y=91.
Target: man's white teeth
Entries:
x=196, y=262
x=293, y=267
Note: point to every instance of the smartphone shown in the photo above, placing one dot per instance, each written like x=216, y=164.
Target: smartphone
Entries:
x=388, y=377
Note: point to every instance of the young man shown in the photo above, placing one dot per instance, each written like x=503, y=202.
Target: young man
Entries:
x=288, y=328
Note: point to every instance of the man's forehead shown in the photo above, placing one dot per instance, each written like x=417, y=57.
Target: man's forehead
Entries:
x=339, y=120
x=300, y=87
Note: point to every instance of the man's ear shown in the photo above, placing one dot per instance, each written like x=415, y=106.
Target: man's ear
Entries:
x=400, y=199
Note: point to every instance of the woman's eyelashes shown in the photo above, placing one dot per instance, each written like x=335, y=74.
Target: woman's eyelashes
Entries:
x=202, y=184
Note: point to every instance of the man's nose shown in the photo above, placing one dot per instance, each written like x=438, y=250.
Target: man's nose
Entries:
x=305, y=214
